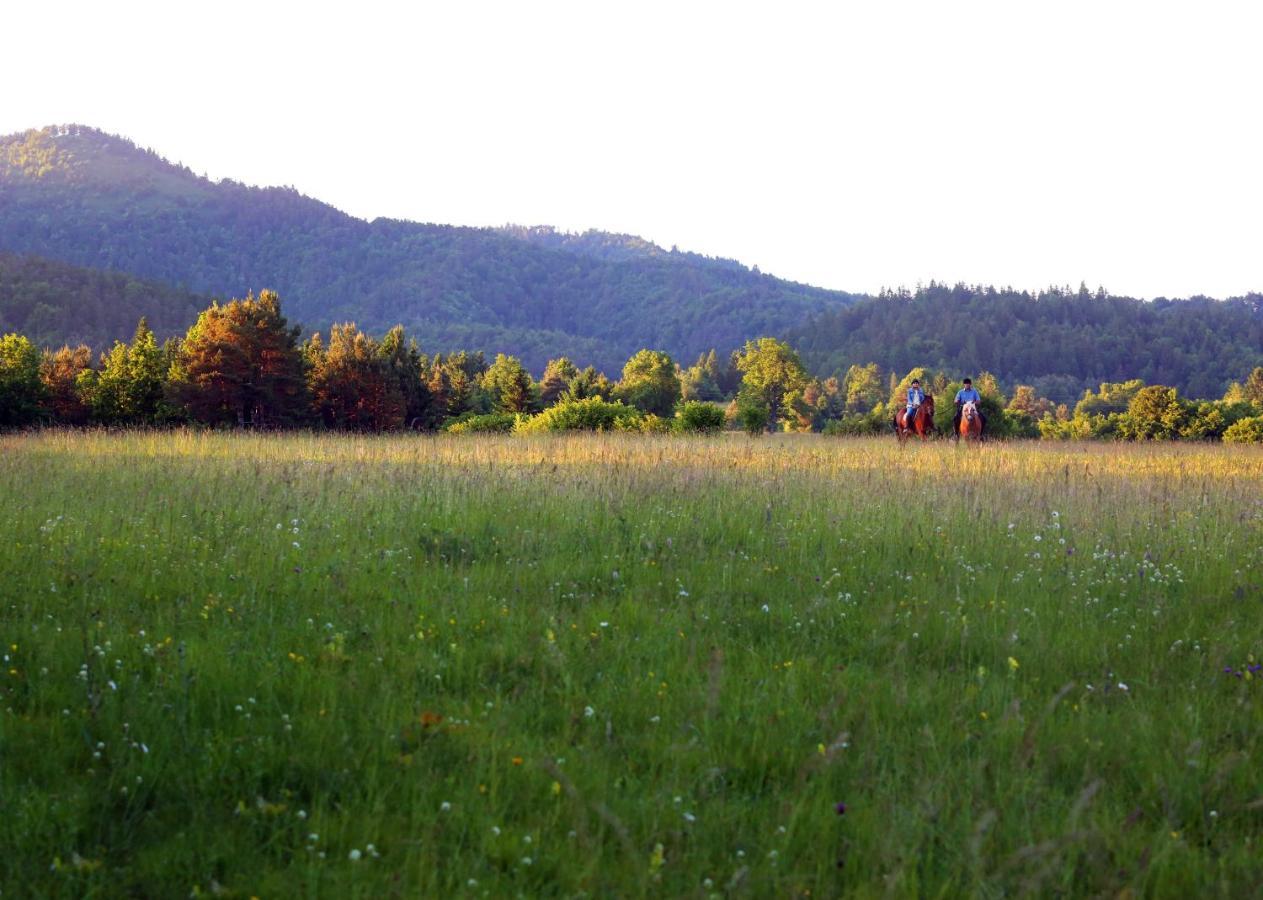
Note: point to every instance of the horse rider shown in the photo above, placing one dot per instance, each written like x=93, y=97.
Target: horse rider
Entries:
x=963, y=396
x=915, y=398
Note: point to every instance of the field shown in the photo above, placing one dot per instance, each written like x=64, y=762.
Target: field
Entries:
x=313, y=665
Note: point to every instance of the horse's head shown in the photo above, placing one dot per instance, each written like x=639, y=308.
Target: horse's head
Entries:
x=929, y=404
x=969, y=411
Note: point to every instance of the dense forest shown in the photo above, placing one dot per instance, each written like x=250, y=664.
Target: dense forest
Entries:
x=54, y=303
x=80, y=196
x=1059, y=341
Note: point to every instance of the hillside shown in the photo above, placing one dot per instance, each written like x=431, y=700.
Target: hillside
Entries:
x=83, y=197
x=1059, y=341
x=55, y=303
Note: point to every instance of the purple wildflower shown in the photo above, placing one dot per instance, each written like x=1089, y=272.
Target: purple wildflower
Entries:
x=840, y=809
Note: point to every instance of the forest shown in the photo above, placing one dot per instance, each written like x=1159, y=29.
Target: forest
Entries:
x=242, y=364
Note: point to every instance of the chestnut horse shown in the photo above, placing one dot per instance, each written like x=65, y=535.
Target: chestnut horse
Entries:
x=922, y=423
x=970, y=422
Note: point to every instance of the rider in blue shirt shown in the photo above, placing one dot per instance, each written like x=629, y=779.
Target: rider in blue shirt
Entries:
x=915, y=398
x=963, y=396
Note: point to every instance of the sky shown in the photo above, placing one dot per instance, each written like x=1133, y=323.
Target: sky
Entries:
x=848, y=145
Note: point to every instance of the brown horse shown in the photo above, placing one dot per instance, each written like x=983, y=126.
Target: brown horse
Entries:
x=922, y=424
x=970, y=422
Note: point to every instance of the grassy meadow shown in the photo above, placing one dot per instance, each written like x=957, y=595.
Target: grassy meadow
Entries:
x=591, y=666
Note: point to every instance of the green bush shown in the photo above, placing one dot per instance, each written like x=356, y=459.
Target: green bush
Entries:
x=645, y=424
x=860, y=424
x=1245, y=431
x=592, y=414
x=472, y=423
x=697, y=417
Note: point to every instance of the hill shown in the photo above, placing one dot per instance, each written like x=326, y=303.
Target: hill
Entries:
x=84, y=197
x=55, y=303
x=1059, y=341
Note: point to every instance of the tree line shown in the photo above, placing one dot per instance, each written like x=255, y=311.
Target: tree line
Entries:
x=242, y=364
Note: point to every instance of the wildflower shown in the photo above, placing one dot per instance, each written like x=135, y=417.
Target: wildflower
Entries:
x=445, y=807
x=689, y=817
x=588, y=712
x=517, y=760
x=840, y=809
x=1014, y=665
x=1123, y=687
x=556, y=788
x=354, y=855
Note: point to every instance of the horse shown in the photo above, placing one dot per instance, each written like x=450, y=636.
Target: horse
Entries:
x=970, y=421
x=922, y=424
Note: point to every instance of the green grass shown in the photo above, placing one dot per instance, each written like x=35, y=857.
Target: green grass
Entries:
x=627, y=666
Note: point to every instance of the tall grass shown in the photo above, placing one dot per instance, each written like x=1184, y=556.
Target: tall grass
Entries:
x=319, y=665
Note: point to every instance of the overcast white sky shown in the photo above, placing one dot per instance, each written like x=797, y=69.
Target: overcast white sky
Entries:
x=849, y=145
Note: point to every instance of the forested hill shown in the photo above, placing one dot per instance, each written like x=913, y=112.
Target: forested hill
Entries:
x=1059, y=341
x=84, y=197
x=55, y=303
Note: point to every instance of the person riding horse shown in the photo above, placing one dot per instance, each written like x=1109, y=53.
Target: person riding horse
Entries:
x=965, y=395
x=916, y=397
x=917, y=417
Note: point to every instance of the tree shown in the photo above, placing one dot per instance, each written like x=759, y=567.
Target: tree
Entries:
x=558, y=374
x=509, y=385
x=771, y=371
x=588, y=384
x=20, y=387
x=351, y=387
x=240, y=364
x=129, y=388
x=1025, y=402
x=1253, y=387
x=1155, y=412
x=701, y=380
x=406, y=368
x=863, y=388
x=650, y=383
x=60, y=372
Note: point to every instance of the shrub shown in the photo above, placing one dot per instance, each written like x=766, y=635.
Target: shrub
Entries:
x=697, y=417
x=1245, y=431
x=592, y=414
x=472, y=423
x=860, y=424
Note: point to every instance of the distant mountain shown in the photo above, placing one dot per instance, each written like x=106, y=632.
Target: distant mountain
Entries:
x=91, y=199
x=55, y=303
x=1060, y=341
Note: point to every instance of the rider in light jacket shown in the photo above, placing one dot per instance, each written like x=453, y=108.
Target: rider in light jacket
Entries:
x=915, y=398
x=963, y=396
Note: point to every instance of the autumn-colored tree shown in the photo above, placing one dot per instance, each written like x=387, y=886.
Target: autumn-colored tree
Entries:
x=1024, y=401
x=60, y=372
x=240, y=363
x=350, y=384
x=650, y=383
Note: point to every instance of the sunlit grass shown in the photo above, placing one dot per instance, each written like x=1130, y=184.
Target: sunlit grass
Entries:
x=519, y=665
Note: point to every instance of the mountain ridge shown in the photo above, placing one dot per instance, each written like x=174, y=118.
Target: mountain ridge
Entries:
x=82, y=196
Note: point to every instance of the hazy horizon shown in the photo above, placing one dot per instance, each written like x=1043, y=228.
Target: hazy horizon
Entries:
x=851, y=149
